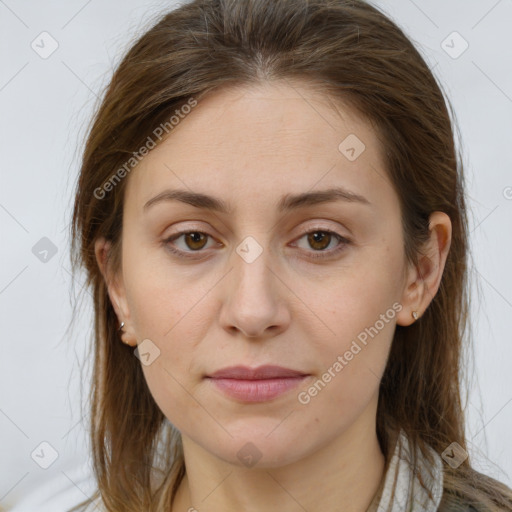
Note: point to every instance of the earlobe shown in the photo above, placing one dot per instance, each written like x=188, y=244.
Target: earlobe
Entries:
x=425, y=279
x=411, y=298
x=127, y=335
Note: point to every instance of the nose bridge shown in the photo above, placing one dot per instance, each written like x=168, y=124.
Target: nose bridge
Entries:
x=252, y=301
x=252, y=274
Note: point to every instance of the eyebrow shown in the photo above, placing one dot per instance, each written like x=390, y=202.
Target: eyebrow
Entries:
x=287, y=203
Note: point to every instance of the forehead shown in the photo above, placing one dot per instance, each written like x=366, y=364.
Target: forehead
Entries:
x=265, y=140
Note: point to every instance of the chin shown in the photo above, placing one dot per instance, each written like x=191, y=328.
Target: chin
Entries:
x=260, y=448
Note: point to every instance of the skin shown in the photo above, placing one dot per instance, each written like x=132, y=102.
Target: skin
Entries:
x=250, y=146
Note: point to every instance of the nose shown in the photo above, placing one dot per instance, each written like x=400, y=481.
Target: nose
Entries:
x=254, y=298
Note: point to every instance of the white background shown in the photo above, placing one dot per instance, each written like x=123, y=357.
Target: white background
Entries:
x=45, y=105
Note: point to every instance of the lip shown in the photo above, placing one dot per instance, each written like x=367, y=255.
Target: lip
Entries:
x=256, y=384
x=260, y=372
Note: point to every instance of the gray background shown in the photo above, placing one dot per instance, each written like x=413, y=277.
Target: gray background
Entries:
x=45, y=105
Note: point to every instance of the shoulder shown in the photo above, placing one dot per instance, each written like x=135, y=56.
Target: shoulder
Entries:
x=459, y=507
x=456, y=503
x=476, y=492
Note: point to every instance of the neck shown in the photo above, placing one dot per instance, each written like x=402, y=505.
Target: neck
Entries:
x=346, y=471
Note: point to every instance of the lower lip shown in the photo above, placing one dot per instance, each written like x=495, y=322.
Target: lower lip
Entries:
x=257, y=390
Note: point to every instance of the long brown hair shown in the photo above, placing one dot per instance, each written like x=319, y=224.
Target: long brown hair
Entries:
x=349, y=50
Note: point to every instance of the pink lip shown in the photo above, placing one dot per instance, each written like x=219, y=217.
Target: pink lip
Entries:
x=261, y=372
x=256, y=384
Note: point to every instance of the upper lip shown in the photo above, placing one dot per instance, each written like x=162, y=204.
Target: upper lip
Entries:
x=261, y=372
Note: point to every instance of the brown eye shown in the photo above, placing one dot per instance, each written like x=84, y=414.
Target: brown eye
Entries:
x=319, y=239
x=184, y=243
x=195, y=240
x=319, y=244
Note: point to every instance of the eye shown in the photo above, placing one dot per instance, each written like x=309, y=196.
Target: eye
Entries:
x=194, y=242
x=319, y=239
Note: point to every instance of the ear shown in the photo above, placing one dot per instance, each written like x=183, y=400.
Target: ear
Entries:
x=423, y=280
x=116, y=290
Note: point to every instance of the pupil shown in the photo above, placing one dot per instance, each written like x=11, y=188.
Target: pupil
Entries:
x=194, y=237
x=319, y=237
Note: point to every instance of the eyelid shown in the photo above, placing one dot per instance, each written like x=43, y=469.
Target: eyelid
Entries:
x=319, y=227
x=187, y=253
x=312, y=254
x=326, y=254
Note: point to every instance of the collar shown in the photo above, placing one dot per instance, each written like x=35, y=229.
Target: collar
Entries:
x=404, y=477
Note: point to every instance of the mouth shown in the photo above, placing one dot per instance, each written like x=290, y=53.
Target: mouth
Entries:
x=259, y=373
x=256, y=384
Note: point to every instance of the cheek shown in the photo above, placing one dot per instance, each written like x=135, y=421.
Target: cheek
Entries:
x=172, y=395
x=173, y=312
x=160, y=294
x=360, y=300
x=172, y=321
x=358, y=357
x=350, y=377
x=360, y=311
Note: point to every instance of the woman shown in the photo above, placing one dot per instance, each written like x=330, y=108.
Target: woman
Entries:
x=271, y=213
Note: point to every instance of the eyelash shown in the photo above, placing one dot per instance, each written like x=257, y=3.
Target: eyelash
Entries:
x=320, y=254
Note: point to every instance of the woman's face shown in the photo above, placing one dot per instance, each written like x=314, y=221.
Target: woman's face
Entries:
x=309, y=284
